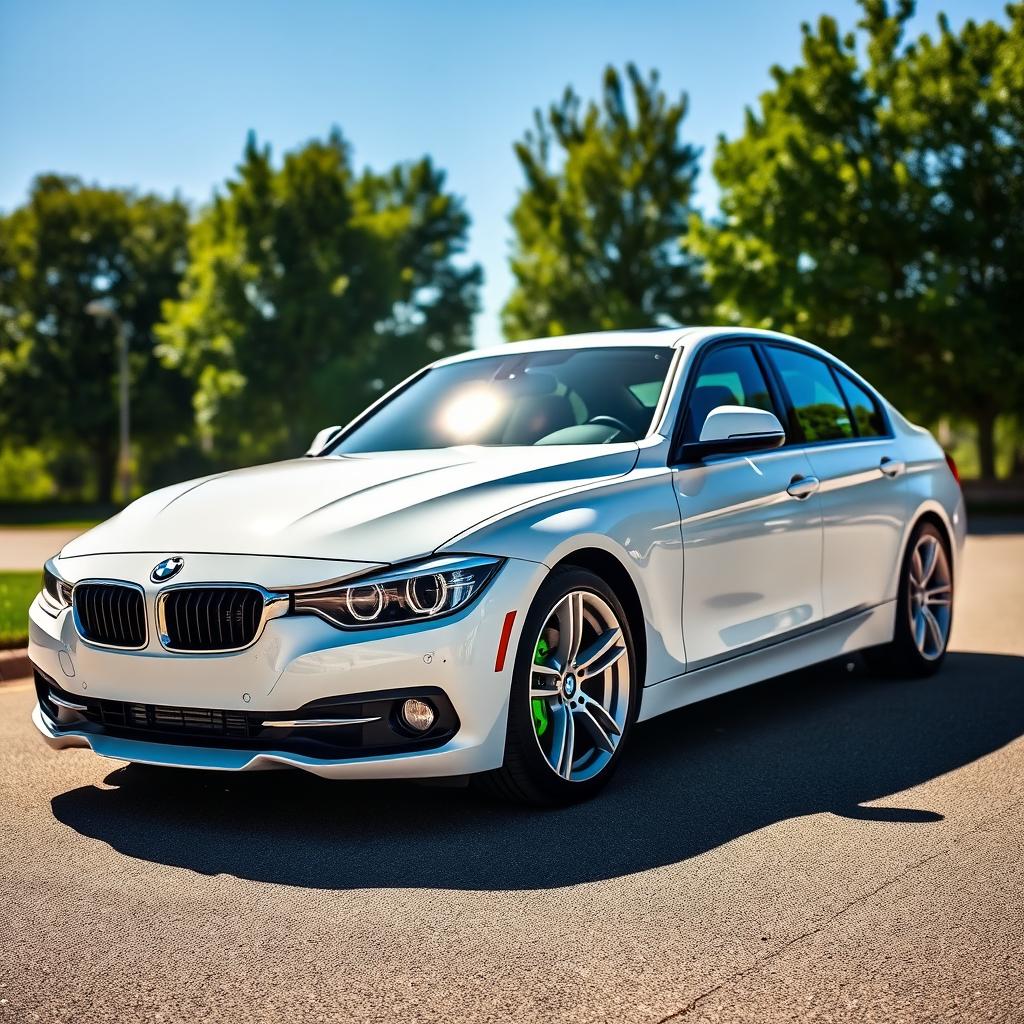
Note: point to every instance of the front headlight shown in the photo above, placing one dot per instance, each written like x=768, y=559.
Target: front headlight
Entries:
x=426, y=591
x=56, y=593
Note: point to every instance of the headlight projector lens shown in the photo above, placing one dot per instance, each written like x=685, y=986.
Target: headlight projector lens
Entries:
x=426, y=594
x=418, y=715
x=365, y=603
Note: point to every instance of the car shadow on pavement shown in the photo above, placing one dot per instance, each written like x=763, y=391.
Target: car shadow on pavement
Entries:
x=819, y=740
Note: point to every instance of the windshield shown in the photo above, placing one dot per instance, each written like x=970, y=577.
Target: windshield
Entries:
x=571, y=396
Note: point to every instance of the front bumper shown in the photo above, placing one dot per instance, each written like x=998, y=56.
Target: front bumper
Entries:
x=298, y=661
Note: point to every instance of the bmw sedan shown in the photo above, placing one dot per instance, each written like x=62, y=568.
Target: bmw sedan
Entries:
x=506, y=563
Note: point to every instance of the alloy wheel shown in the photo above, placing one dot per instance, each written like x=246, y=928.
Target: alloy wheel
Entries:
x=931, y=597
x=580, y=686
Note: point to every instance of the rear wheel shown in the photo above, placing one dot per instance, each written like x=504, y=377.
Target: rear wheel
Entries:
x=574, y=694
x=924, y=609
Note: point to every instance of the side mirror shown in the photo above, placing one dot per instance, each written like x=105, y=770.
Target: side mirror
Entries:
x=734, y=429
x=323, y=439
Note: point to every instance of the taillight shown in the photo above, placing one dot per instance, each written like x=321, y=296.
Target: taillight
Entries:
x=952, y=467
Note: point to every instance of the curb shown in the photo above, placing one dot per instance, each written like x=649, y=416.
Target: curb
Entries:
x=14, y=665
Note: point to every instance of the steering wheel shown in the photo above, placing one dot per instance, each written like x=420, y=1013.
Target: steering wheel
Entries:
x=611, y=421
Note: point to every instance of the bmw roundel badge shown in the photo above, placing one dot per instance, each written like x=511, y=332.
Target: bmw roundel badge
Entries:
x=166, y=569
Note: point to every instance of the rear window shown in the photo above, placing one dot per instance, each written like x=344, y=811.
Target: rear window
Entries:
x=817, y=402
x=867, y=416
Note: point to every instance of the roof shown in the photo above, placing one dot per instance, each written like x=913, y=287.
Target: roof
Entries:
x=647, y=337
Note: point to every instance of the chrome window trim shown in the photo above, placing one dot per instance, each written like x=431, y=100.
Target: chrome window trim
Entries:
x=275, y=604
x=111, y=583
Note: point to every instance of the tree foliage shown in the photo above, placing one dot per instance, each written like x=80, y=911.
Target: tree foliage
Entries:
x=69, y=244
x=310, y=288
x=876, y=204
x=599, y=222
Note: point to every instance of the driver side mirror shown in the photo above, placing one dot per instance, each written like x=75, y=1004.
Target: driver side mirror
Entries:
x=323, y=439
x=734, y=429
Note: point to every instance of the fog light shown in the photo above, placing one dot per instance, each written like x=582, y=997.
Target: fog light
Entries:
x=418, y=714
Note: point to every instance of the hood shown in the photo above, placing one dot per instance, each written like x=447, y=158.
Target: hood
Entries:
x=378, y=507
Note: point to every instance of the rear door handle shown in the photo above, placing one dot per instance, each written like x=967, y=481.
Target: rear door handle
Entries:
x=891, y=467
x=803, y=486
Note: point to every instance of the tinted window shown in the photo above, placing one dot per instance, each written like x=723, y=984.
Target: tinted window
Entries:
x=727, y=376
x=647, y=393
x=867, y=417
x=814, y=395
x=573, y=396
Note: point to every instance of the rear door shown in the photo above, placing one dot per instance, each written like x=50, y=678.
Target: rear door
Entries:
x=751, y=524
x=847, y=440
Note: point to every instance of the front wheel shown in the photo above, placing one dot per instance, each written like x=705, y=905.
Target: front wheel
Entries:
x=924, y=608
x=574, y=694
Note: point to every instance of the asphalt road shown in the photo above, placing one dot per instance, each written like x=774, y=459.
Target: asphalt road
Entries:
x=824, y=847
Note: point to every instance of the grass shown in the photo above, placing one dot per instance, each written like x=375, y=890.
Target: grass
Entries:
x=17, y=589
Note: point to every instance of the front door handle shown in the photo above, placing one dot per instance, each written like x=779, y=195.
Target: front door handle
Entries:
x=801, y=487
x=891, y=467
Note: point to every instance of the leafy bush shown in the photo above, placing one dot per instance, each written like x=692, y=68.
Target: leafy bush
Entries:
x=24, y=475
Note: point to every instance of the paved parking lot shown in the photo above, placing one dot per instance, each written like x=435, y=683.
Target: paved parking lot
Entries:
x=25, y=549
x=822, y=847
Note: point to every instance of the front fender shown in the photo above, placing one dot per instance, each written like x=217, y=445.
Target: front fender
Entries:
x=635, y=520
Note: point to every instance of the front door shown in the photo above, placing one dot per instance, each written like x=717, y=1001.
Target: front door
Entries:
x=751, y=525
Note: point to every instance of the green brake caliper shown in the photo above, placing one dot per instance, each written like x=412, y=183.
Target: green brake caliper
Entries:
x=541, y=718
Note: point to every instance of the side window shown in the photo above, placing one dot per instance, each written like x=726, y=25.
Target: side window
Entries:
x=726, y=376
x=817, y=403
x=867, y=417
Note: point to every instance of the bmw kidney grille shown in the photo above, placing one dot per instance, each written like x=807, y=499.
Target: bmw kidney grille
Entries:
x=111, y=614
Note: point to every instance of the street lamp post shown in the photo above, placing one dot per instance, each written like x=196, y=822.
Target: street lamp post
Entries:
x=103, y=309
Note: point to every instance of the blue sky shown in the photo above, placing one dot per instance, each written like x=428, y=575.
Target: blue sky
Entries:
x=161, y=95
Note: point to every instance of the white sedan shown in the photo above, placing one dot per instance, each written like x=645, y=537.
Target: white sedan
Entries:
x=507, y=562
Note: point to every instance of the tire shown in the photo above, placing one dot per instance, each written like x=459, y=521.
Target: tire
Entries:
x=541, y=728
x=924, y=613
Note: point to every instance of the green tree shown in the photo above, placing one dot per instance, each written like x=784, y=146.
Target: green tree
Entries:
x=435, y=291
x=309, y=289
x=69, y=244
x=874, y=204
x=598, y=225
